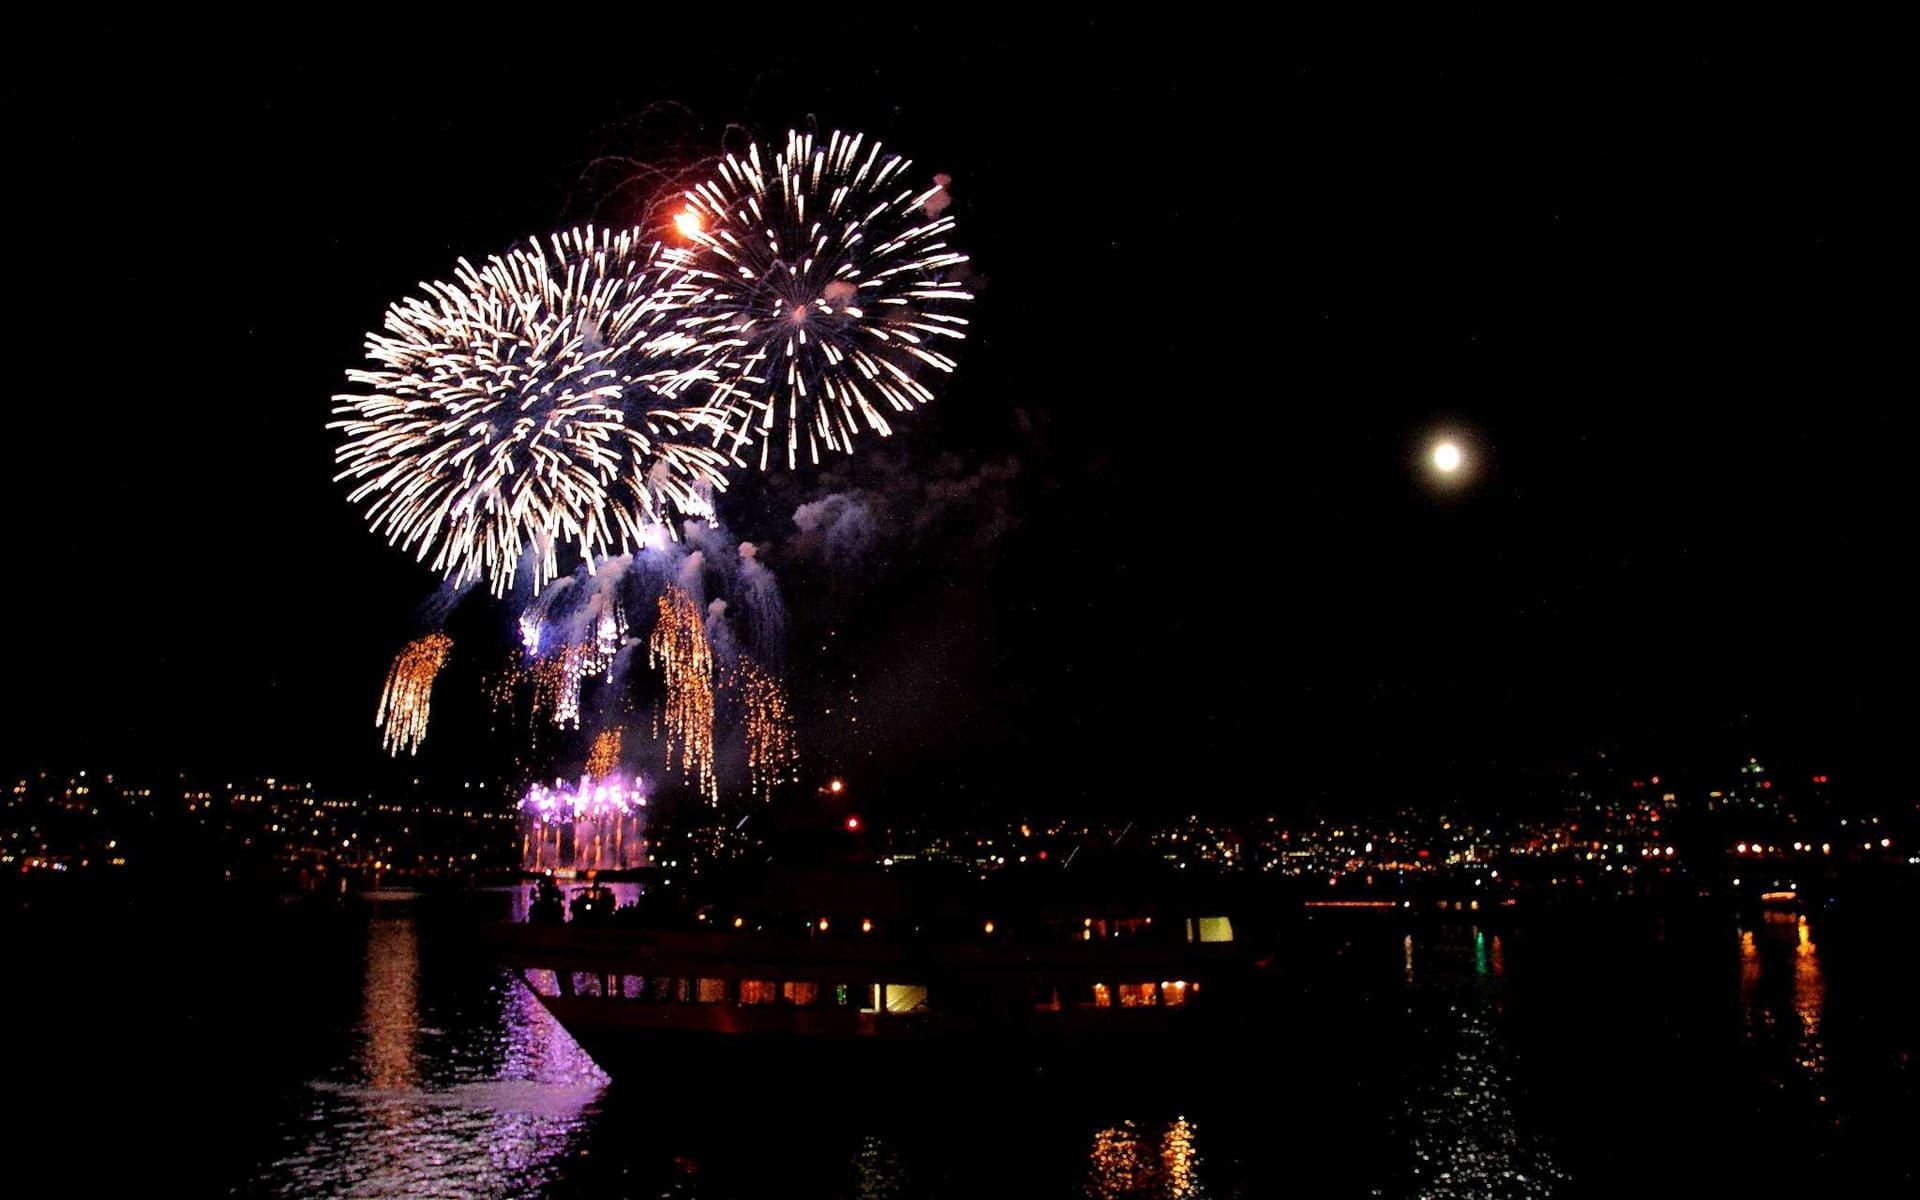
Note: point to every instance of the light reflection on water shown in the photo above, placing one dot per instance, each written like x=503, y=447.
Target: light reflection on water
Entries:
x=1466, y=1140
x=452, y=1081
x=1143, y=1161
x=1776, y=998
x=465, y=1111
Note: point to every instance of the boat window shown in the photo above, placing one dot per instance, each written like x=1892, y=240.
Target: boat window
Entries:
x=586, y=983
x=633, y=987
x=1173, y=992
x=1136, y=995
x=840, y=994
x=758, y=991
x=905, y=998
x=1046, y=999
x=541, y=981
x=711, y=991
x=800, y=995
x=1210, y=929
x=1102, y=996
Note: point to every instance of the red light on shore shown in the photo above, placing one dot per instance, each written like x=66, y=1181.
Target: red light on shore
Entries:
x=1043, y=856
x=853, y=822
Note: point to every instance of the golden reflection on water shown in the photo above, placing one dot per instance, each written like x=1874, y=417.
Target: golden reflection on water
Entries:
x=1763, y=952
x=879, y=1173
x=1809, y=1000
x=486, y=1109
x=1179, y=1161
x=1128, y=1162
x=390, y=1009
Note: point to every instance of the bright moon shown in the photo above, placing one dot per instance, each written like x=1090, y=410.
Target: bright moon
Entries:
x=1446, y=457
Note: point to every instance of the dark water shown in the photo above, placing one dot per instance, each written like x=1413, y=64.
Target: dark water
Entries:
x=377, y=1052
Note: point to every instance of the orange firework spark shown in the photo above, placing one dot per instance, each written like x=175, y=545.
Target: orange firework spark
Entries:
x=549, y=677
x=404, y=702
x=604, y=758
x=771, y=754
x=679, y=647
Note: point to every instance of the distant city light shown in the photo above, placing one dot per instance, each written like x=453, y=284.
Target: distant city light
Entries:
x=1447, y=457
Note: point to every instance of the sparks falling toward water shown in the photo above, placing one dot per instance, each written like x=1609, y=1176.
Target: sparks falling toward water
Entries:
x=595, y=825
x=820, y=285
x=604, y=757
x=679, y=647
x=404, y=702
x=519, y=409
x=771, y=755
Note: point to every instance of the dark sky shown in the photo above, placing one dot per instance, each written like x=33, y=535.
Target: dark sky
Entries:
x=1164, y=535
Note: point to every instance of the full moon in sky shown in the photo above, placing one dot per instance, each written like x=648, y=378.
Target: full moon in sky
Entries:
x=1446, y=458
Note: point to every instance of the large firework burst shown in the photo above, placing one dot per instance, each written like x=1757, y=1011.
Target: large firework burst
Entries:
x=520, y=407
x=820, y=286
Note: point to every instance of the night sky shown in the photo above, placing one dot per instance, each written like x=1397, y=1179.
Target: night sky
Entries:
x=1164, y=539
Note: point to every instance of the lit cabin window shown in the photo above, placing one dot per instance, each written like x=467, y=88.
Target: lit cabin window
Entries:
x=586, y=983
x=633, y=987
x=1102, y=996
x=905, y=998
x=758, y=991
x=710, y=991
x=1136, y=995
x=542, y=981
x=800, y=995
x=1210, y=929
x=1173, y=992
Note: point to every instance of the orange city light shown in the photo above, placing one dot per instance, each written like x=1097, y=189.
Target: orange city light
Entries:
x=836, y=787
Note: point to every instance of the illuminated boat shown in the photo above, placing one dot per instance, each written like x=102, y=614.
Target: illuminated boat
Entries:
x=871, y=957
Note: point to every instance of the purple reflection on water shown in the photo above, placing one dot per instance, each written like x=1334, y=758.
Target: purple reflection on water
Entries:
x=480, y=1108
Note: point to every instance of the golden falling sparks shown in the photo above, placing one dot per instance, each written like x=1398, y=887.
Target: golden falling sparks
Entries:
x=549, y=676
x=679, y=647
x=604, y=758
x=404, y=702
x=771, y=754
